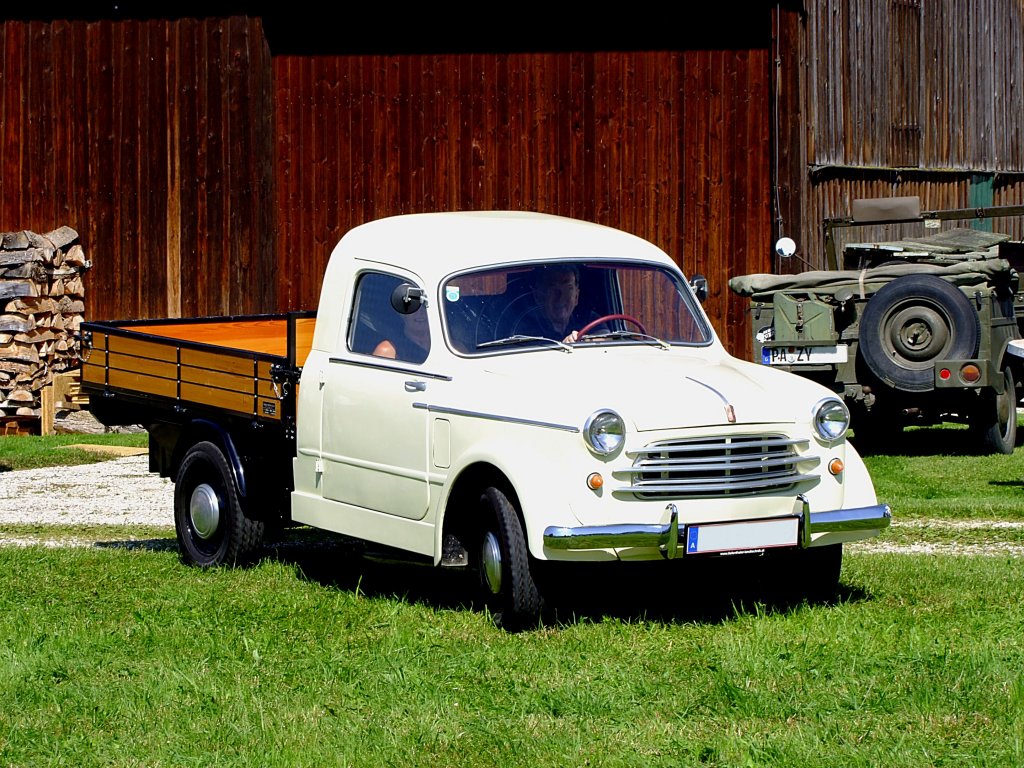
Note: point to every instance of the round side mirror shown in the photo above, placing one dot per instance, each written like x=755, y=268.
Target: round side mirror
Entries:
x=699, y=284
x=785, y=247
x=406, y=298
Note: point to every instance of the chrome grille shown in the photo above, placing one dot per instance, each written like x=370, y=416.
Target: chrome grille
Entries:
x=733, y=465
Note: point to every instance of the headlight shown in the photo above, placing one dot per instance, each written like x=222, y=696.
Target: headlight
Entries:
x=831, y=419
x=604, y=432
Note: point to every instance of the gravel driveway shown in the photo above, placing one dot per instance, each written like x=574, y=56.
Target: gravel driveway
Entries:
x=116, y=492
x=123, y=492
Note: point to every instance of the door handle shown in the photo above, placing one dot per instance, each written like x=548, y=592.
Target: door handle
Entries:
x=415, y=386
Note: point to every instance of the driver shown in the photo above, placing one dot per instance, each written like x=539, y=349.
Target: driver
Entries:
x=556, y=294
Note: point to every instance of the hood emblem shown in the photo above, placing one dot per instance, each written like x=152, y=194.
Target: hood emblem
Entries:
x=730, y=412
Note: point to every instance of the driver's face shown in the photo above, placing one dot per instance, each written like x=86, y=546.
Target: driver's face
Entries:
x=557, y=295
x=416, y=328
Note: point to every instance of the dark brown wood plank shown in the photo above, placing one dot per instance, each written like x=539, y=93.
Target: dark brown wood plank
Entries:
x=10, y=99
x=40, y=122
x=149, y=249
x=304, y=237
x=329, y=234
x=190, y=155
x=218, y=87
x=285, y=112
x=101, y=176
x=126, y=147
x=174, y=216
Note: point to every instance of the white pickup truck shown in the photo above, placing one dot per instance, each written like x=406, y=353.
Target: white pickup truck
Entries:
x=490, y=391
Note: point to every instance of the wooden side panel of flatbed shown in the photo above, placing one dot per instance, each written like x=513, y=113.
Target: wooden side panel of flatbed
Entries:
x=222, y=365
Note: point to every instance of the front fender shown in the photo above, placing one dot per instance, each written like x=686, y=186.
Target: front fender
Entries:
x=858, y=488
x=533, y=468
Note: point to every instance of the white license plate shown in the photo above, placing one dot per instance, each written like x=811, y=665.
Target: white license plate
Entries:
x=738, y=537
x=804, y=355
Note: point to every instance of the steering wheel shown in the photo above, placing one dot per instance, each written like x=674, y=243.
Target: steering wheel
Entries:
x=604, y=318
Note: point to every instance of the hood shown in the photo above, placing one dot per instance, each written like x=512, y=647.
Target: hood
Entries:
x=650, y=389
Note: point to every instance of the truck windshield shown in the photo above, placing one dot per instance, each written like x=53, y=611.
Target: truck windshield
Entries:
x=570, y=302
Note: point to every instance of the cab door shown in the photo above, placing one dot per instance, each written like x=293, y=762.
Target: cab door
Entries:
x=375, y=445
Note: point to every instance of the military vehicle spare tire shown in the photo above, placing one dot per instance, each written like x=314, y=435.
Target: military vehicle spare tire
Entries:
x=912, y=322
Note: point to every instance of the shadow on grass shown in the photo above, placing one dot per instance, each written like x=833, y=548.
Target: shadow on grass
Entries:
x=683, y=591
x=923, y=441
x=707, y=591
x=940, y=440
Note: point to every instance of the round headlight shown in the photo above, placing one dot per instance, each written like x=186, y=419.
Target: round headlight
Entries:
x=604, y=432
x=831, y=419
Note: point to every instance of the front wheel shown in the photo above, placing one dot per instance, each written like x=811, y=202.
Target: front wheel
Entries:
x=501, y=562
x=211, y=527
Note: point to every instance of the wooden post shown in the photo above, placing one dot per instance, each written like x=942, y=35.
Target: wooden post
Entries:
x=47, y=411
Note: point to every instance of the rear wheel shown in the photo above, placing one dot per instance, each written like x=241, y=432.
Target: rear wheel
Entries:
x=211, y=527
x=995, y=421
x=501, y=563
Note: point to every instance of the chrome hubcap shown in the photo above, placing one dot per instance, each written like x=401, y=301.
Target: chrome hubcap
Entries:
x=204, y=510
x=490, y=562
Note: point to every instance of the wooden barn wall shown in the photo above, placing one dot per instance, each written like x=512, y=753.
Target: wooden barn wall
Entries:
x=726, y=180
x=908, y=97
x=671, y=146
x=151, y=139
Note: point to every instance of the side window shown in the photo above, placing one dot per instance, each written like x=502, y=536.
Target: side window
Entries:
x=379, y=329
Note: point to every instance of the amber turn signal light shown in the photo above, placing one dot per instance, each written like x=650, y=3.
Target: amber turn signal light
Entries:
x=970, y=373
x=836, y=466
x=594, y=481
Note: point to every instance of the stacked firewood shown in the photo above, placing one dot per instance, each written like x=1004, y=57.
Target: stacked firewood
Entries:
x=42, y=298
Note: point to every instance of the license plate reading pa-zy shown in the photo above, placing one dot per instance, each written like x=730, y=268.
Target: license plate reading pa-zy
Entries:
x=804, y=355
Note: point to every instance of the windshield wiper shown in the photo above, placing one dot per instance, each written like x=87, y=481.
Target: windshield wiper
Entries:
x=521, y=339
x=625, y=334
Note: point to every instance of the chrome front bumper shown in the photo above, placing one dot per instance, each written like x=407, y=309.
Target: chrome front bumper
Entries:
x=667, y=536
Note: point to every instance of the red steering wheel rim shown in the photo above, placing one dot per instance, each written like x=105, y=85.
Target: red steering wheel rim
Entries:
x=605, y=318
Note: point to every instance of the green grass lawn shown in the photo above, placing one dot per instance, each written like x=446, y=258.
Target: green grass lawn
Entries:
x=35, y=451
x=115, y=654
x=124, y=657
x=928, y=475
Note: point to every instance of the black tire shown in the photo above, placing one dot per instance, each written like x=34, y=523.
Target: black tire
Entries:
x=501, y=564
x=211, y=526
x=912, y=322
x=995, y=419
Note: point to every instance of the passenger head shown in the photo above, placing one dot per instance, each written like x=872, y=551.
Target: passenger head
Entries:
x=416, y=328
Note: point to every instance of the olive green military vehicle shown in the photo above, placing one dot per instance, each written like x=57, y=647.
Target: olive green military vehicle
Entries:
x=918, y=331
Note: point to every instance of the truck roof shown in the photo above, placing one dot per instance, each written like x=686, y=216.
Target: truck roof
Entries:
x=437, y=244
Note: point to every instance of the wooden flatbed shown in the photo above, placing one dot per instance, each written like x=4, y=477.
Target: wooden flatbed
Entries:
x=245, y=365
